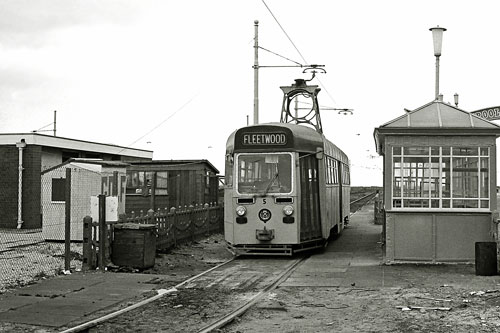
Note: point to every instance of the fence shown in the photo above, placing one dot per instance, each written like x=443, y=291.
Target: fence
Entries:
x=173, y=226
x=181, y=224
x=30, y=254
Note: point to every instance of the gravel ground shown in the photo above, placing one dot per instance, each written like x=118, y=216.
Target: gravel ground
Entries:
x=25, y=258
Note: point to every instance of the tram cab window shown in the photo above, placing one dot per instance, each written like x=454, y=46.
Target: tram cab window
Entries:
x=264, y=173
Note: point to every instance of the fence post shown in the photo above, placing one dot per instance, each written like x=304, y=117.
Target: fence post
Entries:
x=88, y=257
x=191, y=217
x=150, y=217
x=207, y=217
x=102, y=231
x=67, y=220
x=172, y=211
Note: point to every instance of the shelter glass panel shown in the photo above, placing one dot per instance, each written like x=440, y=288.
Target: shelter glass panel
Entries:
x=428, y=177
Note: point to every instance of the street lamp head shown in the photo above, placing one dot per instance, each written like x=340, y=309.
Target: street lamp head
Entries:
x=437, y=37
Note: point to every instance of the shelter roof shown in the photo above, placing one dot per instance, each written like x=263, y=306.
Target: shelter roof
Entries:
x=436, y=118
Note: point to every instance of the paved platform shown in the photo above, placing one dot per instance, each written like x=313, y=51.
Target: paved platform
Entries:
x=60, y=300
x=357, y=250
x=355, y=259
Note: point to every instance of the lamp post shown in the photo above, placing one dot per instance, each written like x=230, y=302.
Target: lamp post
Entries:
x=437, y=37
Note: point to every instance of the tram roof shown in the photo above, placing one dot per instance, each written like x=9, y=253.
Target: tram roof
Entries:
x=305, y=139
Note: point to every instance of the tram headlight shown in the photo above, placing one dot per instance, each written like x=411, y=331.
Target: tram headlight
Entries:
x=288, y=210
x=241, y=210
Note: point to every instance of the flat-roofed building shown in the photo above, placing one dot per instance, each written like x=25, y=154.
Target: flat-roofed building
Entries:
x=24, y=156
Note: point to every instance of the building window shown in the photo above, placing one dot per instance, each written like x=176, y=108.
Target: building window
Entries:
x=141, y=182
x=58, y=189
x=161, y=187
x=440, y=177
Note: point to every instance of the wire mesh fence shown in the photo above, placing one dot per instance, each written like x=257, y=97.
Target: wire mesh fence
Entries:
x=27, y=255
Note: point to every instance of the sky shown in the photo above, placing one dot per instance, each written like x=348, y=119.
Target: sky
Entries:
x=176, y=77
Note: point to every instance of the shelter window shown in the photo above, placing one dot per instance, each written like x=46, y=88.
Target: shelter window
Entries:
x=440, y=177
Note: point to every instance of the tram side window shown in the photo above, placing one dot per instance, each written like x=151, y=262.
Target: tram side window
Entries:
x=332, y=176
x=229, y=167
x=346, y=175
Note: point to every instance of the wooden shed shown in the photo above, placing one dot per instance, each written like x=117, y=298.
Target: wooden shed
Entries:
x=170, y=183
x=439, y=183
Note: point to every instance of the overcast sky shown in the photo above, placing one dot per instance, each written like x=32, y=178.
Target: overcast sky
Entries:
x=176, y=77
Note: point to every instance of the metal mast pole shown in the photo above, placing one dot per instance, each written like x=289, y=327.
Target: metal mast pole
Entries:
x=256, y=75
x=55, y=121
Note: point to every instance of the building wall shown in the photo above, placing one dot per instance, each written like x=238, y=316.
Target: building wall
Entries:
x=35, y=159
x=435, y=237
x=31, y=212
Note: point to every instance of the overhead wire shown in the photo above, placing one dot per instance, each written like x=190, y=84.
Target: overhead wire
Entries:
x=296, y=48
x=162, y=122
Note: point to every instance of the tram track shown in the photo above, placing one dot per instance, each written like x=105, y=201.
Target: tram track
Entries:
x=237, y=283
x=245, y=280
x=160, y=294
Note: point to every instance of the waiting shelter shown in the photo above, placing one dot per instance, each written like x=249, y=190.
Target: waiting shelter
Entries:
x=439, y=167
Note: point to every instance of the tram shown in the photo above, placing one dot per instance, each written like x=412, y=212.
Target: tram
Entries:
x=287, y=187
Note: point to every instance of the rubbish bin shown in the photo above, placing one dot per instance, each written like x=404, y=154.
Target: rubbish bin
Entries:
x=486, y=258
x=134, y=245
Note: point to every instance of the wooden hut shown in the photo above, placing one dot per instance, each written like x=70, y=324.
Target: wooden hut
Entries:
x=170, y=183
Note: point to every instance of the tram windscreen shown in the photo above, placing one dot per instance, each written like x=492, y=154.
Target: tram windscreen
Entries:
x=262, y=174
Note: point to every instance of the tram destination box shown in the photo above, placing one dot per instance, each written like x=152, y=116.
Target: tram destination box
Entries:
x=134, y=245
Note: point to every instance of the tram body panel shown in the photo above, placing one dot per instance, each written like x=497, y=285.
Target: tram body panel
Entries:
x=280, y=232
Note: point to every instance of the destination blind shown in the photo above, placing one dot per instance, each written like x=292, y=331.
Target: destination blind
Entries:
x=262, y=139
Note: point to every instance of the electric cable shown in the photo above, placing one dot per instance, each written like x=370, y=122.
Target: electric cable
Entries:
x=298, y=51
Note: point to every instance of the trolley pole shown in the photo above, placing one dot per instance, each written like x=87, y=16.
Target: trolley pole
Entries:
x=256, y=75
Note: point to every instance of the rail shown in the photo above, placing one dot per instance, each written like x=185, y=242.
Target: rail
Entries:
x=363, y=198
x=160, y=293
